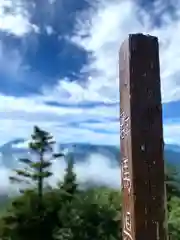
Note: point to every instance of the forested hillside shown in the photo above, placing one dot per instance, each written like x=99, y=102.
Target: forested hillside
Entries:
x=66, y=211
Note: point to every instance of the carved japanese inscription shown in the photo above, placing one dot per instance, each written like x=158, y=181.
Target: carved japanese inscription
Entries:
x=126, y=175
x=125, y=133
x=126, y=179
x=124, y=125
x=127, y=227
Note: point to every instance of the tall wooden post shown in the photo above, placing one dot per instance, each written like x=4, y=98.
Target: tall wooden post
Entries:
x=141, y=139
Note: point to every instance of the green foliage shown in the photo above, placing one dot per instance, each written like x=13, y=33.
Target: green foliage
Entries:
x=23, y=220
x=174, y=218
x=68, y=213
x=172, y=179
x=69, y=185
x=89, y=216
x=37, y=169
x=92, y=214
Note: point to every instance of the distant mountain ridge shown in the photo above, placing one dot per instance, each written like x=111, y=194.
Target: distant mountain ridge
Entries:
x=81, y=152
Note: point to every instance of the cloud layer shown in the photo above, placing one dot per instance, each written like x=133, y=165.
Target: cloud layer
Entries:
x=59, y=68
x=96, y=169
x=83, y=106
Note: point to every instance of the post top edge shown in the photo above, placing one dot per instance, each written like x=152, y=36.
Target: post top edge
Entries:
x=134, y=36
x=142, y=35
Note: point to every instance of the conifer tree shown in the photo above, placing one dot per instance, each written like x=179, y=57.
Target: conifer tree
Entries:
x=37, y=169
x=69, y=185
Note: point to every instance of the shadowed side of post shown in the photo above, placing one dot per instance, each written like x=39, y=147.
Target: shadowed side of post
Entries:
x=141, y=139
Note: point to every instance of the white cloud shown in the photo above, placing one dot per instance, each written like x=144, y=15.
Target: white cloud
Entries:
x=14, y=18
x=5, y=185
x=49, y=30
x=100, y=31
x=96, y=168
x=22, y=145
x=10, y=61
x=12, y=129
x=106, y=29
x=171, y=133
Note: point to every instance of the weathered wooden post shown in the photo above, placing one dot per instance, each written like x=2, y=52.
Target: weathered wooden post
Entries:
x=141, y=139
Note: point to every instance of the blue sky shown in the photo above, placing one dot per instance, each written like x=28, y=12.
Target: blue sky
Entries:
x=59, y=66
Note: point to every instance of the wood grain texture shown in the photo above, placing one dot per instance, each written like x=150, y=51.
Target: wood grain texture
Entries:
x=142, y=163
